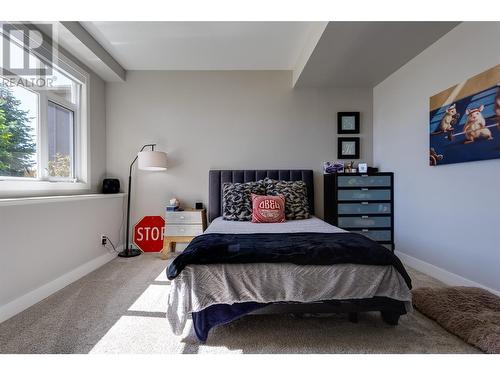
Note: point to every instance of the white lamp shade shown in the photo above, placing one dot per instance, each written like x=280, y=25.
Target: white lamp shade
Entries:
x=152, y=160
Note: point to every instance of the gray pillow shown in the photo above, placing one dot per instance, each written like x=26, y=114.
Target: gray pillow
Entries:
x=295, y=193
x=237, y=199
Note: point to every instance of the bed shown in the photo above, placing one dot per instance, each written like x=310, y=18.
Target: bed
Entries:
x=222, y=289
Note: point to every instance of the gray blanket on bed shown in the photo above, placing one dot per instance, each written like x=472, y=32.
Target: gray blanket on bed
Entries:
x=305, y=248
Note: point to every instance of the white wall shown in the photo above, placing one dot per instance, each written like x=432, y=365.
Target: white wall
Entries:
x=233, y=120
x=48, y=243
x=448, y=216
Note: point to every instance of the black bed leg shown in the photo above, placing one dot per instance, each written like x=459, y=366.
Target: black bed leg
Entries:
x=390, y=317
x=353, y=317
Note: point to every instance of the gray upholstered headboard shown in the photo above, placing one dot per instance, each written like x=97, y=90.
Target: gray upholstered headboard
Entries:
x=217, y=177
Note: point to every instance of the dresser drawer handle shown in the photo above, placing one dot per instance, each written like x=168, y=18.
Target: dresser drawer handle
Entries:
x=181, y=217
x=364, y=202
x=365, y=230
x=364, y=217
x=364, y=189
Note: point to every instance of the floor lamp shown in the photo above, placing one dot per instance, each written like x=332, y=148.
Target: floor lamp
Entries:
x=149, y=160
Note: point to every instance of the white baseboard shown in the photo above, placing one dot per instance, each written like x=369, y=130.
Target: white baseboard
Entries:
x=446, y=277
x=29, y=299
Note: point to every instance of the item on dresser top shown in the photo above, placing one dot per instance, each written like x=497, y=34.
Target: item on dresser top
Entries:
x=147, y=161
x=172, y=208
x=237, y=199
x=349, y=167
x=362, y=167
x=182, y=226
x=361, y=203
x=333, y=167
x=198, y=205
x=174, y=202
x=268, y=208
x=295, y=194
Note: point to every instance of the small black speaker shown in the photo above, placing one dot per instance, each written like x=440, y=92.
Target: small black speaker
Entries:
x=198, y=205
x=110, y=186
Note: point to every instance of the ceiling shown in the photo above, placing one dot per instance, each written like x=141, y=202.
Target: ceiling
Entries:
x=203, y=45
x=363, y=54
x=320, y=54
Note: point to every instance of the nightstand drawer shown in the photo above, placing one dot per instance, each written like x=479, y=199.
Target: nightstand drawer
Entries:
x=365, y=222
x=183, y=217
x=364, y=181
x=364, y=194
x=184, y=230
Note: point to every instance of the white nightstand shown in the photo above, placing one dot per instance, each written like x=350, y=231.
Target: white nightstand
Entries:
x=182, y=226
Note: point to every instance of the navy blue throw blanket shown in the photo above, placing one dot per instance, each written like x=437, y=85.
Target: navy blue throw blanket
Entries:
x=296, y=248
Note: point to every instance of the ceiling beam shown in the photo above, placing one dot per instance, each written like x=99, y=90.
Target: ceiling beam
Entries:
x=363, y=54
x=97, y=49
x=317, y=29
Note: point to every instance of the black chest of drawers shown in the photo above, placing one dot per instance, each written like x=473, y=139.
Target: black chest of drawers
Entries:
x=361, y=203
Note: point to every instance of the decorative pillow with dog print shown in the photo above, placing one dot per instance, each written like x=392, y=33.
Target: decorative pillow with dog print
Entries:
x=237, y=199
x=295, y=193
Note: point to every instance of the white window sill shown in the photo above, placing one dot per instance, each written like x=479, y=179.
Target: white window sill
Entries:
x=12, y=188
x=56, y=198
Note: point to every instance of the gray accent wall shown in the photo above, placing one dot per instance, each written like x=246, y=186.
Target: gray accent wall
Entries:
x=223, y=120
x=447, y=216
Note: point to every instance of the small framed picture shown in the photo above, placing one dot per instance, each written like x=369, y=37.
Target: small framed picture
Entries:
x=348, y=122
x=348, y=148
x=363, y=168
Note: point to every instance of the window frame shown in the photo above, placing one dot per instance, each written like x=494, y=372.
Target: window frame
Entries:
x=43, y=184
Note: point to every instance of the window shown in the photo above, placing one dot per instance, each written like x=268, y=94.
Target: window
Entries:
x=18, y=132
x=60, y=141
x=42, y=128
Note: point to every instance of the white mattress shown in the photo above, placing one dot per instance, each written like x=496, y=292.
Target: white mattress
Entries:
x=292, y=226
x=200, y=286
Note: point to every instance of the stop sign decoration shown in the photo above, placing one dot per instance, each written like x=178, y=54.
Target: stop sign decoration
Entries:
x=148, y=234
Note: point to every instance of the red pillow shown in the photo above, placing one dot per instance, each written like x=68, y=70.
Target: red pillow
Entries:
x=268, y=208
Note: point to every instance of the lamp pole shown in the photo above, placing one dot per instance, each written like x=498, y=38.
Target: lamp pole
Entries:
x=129, y=252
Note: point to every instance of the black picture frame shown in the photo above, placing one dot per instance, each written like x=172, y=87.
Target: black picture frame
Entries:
x=340, y=129
x=340, y=141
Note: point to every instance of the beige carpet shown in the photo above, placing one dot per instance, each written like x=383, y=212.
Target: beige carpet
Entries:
x=120, y=308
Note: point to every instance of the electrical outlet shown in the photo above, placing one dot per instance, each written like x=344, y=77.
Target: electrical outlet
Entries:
x=104, y=240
